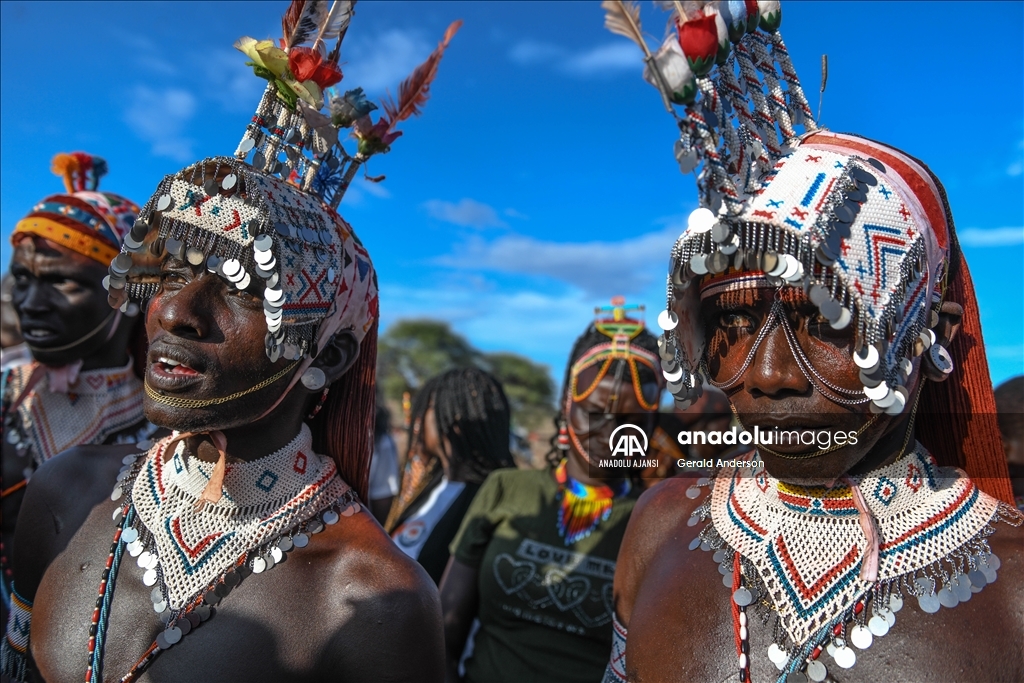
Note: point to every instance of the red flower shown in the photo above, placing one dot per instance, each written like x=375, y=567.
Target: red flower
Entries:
x=327, y=74
x=699, y=40
x=752, y=15
x=303, y=63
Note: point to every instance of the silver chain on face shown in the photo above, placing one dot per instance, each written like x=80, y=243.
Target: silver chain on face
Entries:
x=776, y=317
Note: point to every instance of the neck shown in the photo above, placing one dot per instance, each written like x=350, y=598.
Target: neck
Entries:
x=893, y=444
x=255, y=440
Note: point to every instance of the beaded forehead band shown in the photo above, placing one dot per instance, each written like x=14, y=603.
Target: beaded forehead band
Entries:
x=614, y=321
x=860, y=226
x=267, y=214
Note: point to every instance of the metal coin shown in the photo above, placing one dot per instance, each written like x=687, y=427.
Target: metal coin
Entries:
x=259, y=565
x=269, y=559
x=331, y=275
x=890, y=618
x=742, y=597
x=822, y=257
x=121, y=264
x=143, y=559
x=962, y=587
x=862, y=176
x=992, y=560
x=796, y=677
x=149, y=578
x=990, y=574
x=816, y=671
x=244, y=283
x=947, y=598
x=156, y=596
x=861, y=637
x=692, y=492
x=285, y=544
x=830, y=308
x=135, y=548
x=877, y=164
x=977, y=578
x=694, y=544
x=878, y=626
x=174, y=247
x=725, y=570
x=845, y=657
x=211, y=598
x=116, y=494
x=246, y=145
x=259, y=160
x=275, y=354
x=193, y=618
x=711, y=118
x=204, y=612
x=719, y=555
x=118, y=516
x=210, y=187
x=730, y=248
x=330, y=517
x=845, y=316
x=667, y=320
x=222, y=589
x=129, y=535
x=705, y=546
x=928, y=603
x=163, y=203
x=866, y=358
x=277, y=554
x=263, y=258
x=139, y=230
x=751, y=260
x=263, y=243
x=721, y=232
x=857, y=196
x=161, y=641
x=172, y=635
x=159, y=607
x=698, y=264
x=769, y=261
x=776, y=654
x=185, y=625
x=273, y=280
x=693, y=521
x=283, y=229
x=844, y=214
x=718, y=262
x=315, y=526
x=232, y=579
x=272, y=295
x=194, y=256
x=229, y=182
x=727, y=580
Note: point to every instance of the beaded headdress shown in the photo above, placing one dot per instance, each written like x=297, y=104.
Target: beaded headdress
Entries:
x=863, y=228
x=84, y=220
x=267, y=214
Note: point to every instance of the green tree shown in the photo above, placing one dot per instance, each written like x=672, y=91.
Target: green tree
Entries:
x=528, y=387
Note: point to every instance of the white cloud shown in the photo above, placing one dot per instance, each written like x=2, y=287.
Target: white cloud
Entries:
x=600, y=60
x=380, y=63
x=1015, y=169
x=466, y=212
x=159, y=117
x=992, y=237
x=512, y=213
x=599, y=269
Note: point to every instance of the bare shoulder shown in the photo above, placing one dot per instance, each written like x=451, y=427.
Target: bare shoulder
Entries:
x=389, y=612
x=659, y=518
x=58, y=499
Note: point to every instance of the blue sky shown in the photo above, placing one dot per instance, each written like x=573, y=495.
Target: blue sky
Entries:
x=540, y=180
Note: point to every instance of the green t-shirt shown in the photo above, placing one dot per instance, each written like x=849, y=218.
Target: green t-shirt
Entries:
x=545, y=608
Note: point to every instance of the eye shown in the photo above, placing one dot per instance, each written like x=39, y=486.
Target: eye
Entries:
x=738, y=321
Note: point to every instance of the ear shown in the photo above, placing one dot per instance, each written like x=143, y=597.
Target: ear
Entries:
x=950, y=317
x=338, y=356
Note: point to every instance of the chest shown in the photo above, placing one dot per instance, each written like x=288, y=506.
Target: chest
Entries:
x=271, y=617
x=681, y=629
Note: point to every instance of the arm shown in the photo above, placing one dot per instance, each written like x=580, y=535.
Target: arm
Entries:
x=460, y=600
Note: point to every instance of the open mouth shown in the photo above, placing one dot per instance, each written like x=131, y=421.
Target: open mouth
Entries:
x=39, y=336
x=172, y=368
x=171, y=372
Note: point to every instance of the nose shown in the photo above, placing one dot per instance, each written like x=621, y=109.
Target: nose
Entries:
x=186, y=312
x=774, y=372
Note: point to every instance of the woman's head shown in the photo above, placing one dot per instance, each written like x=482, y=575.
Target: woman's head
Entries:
x=461, y=419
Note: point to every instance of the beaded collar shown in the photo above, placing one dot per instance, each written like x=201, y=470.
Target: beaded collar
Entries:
x=799, y=551
x=193, y=557
x=582, y=507
x=42, y=421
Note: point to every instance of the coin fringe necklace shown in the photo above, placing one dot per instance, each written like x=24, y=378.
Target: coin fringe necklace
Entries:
x=137, y=540
x=963, y=567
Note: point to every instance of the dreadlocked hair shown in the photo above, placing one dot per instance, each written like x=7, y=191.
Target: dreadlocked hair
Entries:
x=472, y=414
x=590, y=338
x=343, y=429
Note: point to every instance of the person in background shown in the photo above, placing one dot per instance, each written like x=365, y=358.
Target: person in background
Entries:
x=458, y=434
x=383, y=466
x=1010, y=414
x=536, y=554
x=13, y=350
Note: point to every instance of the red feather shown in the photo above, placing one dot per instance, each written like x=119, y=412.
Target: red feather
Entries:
x=414, y=91
x=291, y=18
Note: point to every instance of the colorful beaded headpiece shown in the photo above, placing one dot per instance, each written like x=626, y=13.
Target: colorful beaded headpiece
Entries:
x=860, y=226
x=269, y=211
x=85, y=221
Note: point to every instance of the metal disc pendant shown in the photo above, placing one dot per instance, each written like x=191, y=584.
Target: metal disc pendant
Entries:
x=185, y=625
x=229, y=181
x=118, y=516
x=300, y=540
x=159, y=607
x=277, y=554
x=878, y=626
x=895, y=602
x=129, y=535
x=816, y=671
x=777, y=655
x=210, y=187
x=719, y=555
x=259, y=565
x=928, y=603
x=962, y=587
x=161, y=641
x=947, y=598
x=149, y=578
x=285, y=544
x=727, y=580
x=978, y=578
x=796, y=677
x=172, y=635
x=156, y=596
x=845, y=657
x=692, y=492
x=742, y=597
x=204, y=612
x=330, y=517
x=693, y=520
x=163, y=203
x=861, y=637
x=695, y=543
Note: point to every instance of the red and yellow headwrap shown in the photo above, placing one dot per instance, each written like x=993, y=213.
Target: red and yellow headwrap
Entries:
x=85, y=221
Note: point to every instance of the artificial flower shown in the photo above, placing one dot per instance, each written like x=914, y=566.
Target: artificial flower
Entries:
x=353, y=105
x=753, y=15
x=303, y=62
x=734, y=13
x=672, y=66
x=699, y=40
x=771, y=14
x=373, y=137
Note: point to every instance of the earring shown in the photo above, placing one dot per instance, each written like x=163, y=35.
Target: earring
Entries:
x=314, y=379
x=319, y=404
x=938, y=357
x=563, y=436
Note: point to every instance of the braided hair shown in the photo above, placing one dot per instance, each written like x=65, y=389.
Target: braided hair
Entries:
x=472, y=415
x=590, y=338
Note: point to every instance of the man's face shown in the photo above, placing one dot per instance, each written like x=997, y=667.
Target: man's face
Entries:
x=773, y=392
x=59, y=298
x=207, y=341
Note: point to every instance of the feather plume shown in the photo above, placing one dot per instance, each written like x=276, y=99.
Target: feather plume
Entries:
x=623, y=18
x=414, y=91
x=336, y=22
x=302, y=21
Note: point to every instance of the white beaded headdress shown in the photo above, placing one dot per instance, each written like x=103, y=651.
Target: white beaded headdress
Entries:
x=268, y=212
x=860, y=226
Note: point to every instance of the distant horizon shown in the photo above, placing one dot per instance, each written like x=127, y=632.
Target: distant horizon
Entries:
x=540, y=180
